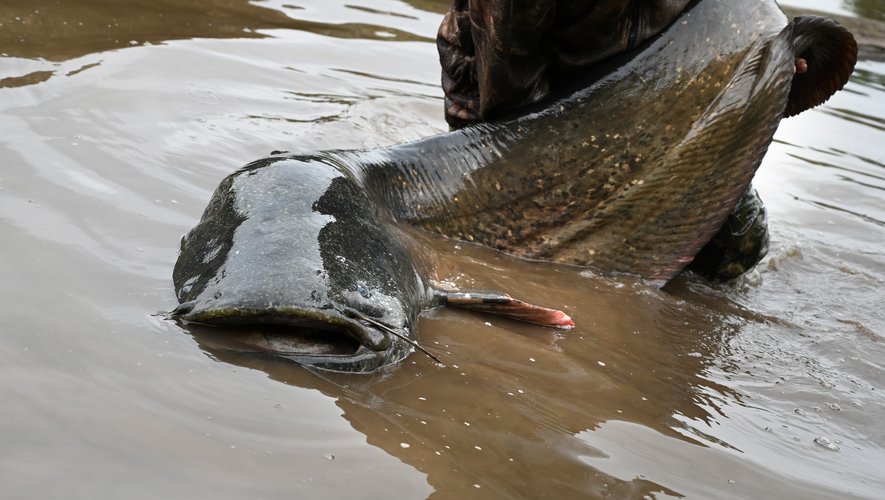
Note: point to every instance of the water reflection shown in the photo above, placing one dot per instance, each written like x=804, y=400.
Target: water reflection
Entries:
x=57, y=31
x=105, y=170
x=518, y=402
x=865, y=77
x=868, y=31
x=27, y=79
x=868, y=9
x=52, y=31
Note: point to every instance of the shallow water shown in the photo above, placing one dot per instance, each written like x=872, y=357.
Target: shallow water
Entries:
x=116, y=123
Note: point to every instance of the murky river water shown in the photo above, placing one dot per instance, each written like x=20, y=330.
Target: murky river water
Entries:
x=117, y=120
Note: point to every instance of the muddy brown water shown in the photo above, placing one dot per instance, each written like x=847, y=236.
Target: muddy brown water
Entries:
x=117, y=120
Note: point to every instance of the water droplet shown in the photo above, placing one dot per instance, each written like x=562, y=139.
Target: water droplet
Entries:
x=329, y=457
x=824, y=442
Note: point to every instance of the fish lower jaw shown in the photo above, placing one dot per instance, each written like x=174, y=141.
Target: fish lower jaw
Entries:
x=320, y=338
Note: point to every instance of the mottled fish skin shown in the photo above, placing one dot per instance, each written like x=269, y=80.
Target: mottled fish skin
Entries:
x=637, y=171
x=296, y=242
x=293, y=249
x=632, y=174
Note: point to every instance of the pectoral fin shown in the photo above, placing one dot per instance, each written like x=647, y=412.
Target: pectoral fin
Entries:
x=504, y=305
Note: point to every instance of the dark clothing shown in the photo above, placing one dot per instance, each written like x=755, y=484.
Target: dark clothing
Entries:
x=499, y=55
x=739, y=245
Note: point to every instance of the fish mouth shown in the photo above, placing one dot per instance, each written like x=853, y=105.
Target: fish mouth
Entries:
x=318, y=338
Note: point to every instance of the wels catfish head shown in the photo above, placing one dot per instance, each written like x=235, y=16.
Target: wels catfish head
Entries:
x=291, y=260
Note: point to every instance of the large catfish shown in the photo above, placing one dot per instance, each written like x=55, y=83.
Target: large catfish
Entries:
x=633, y=173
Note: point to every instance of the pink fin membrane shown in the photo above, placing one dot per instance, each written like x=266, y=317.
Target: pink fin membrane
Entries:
x=505, y=305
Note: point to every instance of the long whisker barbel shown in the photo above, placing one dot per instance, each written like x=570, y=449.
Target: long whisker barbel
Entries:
x=353, y=313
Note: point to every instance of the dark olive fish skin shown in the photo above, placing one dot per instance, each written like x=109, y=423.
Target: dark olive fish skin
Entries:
x=637, y=171
x=296, y=243
x=632, y=174
x=293, y=250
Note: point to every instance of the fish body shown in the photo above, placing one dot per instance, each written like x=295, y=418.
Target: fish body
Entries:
x=633, y=173
x=637, y=171
x=292, y=252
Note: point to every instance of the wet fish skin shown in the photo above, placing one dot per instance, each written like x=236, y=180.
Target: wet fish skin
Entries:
x=295, y=246
x=638, y=170
x=633, y=174
x=295, y=242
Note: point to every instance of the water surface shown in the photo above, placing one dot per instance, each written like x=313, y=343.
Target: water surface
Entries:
x=118, y=120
